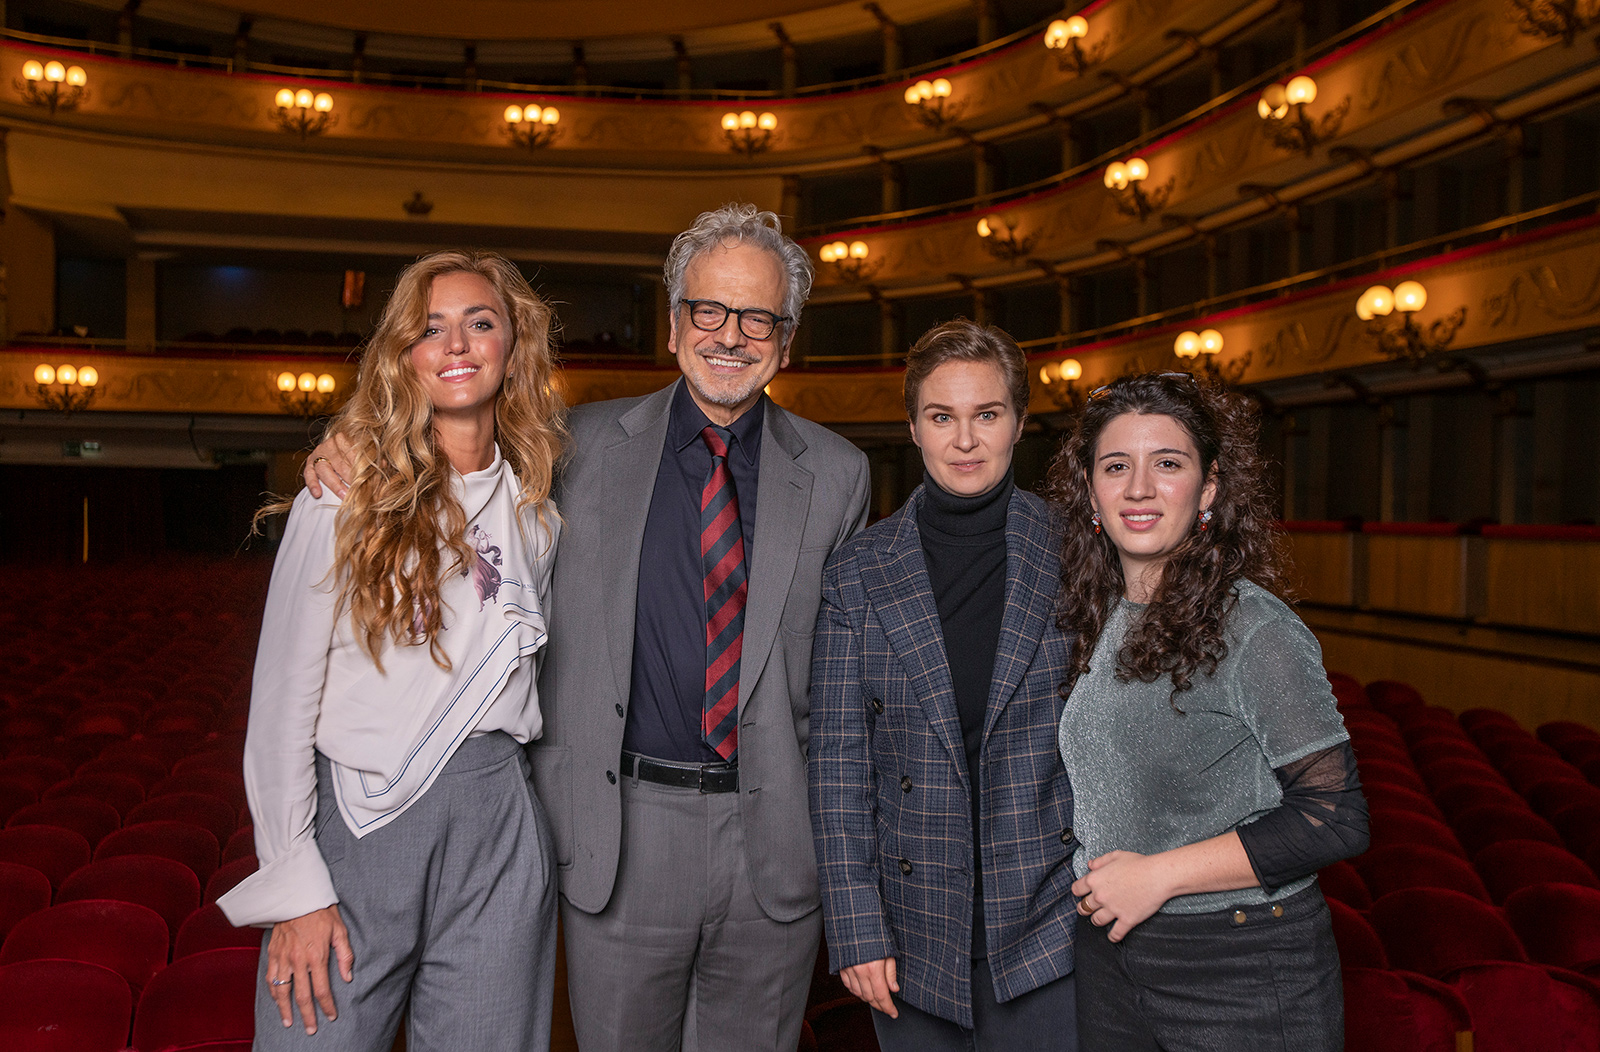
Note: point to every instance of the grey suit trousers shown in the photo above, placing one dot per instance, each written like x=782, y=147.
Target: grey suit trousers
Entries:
x=451, y=914
x=683, y=955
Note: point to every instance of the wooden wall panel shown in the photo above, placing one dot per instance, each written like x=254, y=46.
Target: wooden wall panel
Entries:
x=1546, y=584
x=1417, y=575
x=1324, y=567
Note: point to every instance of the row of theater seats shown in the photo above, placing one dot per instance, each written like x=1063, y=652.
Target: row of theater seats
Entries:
x=1477, y=907
x=121, y=738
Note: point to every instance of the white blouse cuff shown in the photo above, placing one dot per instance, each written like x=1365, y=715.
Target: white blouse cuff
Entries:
x=290, y=886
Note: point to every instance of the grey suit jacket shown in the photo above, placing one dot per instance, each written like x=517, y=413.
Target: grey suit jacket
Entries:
x=813, y=496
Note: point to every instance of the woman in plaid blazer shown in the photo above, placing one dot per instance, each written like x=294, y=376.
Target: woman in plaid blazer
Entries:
x=941, y=813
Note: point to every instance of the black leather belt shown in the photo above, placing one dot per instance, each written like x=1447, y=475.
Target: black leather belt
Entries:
x=706, y=777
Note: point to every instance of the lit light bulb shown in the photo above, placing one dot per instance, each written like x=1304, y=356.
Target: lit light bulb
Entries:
x=1055, y=38
x=33, y=69
x=984, y=227
x=44, y=374
x=1044, y=375
x=859, y=250
x=513, y=114
x=286, y=382
x=88, y=376
x=924, y=89
x=76, y=77
x=1116, y=175
x=747, y=119
x=304, y=98
x=1210, y=341
x=827, y=254
x=323, y=102
x=941, y=88
x=1376, y=302
x=551, y=115
x=326, y=384
x=1410, y=296
x=730, y=121
x=307, y=382
x=912, y=98
x=1300, y=91
x=1187, y=345
x=284, y=98
x=55, y=72
x=1077, y=26
x=767, y=122
x=1138, y=170
x=66, y=374
x=1070, y=369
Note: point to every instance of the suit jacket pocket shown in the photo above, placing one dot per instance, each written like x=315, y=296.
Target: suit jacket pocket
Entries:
x=552, y=781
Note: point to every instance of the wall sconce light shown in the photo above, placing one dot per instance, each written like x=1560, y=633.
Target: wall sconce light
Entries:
x=1553, y=18
x=1405, y=340
x=748, y=133
x=849, y=261
x=1194, y=344
x=1060, y=383
x=52, y=85
x=1062, y=37
x=303, y=112
x=931, y=103
x=77, y=386
x=1005, y=244
x=1297, y=131
x=1125, y=179
x=1206, y=345
x=532, y=127
x=307, y=394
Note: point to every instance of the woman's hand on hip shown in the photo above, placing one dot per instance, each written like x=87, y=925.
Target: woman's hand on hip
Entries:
x=297, y=964
x=1122, y=889
x=873, y=981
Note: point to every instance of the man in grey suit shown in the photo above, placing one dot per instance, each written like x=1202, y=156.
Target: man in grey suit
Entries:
x=675, y=688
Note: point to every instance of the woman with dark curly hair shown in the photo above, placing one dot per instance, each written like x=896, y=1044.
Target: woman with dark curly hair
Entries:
x=1211, y=772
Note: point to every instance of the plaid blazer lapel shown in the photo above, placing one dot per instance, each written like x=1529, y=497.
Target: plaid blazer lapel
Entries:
x=895, y=576
x=1033, y=573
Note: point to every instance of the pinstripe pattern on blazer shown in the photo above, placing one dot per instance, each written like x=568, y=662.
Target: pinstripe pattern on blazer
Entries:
x=895, y=862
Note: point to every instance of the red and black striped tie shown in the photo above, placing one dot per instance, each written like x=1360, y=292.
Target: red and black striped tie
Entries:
x=722, y=559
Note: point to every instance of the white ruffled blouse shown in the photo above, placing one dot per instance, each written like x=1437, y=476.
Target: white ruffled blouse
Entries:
x=389, y=733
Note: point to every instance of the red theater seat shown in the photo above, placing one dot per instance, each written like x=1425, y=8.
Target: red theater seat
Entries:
x=1579, y=825
x=1390, y=773
x=1388, y=694
x=14, y=796
x=23, y=890
x=1341, y=881
x=1399, y=798
x=1431, y=748
x=1434, y=931
x=242, y=843
x=91, y=818
x=107, y=718
x=1521, y=1007
x=1389, y=869
x=1359, y=945
x=1389, y=1011
x=1476, y=719
x=203, y=998
x=197, y=809
x=224, y=785
x=1430, y=721
x=1465, y=795
x=1445, y=771
x=1558, y=924
x=37, y=772
x=207, y=928
x=118, y=790
x=1550, y=798
x=161, y=884
x=228, y=761
x=1389, y=827
x=229, y=875
x=191, y=845
x=180, y=717
x=63, y=1006
x=1508, y=865
x=53, y=851
x=1557, y=733
x=131, y=940
x=1369, y=747
x=141, y=767
x=1486, y=824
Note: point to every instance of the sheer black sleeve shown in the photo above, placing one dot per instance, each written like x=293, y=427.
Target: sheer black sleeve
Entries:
x=1323, y=818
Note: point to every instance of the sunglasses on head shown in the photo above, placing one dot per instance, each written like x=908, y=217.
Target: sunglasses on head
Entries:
x=1103, y=388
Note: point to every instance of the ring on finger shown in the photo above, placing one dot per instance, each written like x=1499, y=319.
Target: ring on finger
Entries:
x=280, y=982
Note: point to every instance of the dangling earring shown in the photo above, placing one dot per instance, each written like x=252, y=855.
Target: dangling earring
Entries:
x=1205, y=519
x=1095, y=518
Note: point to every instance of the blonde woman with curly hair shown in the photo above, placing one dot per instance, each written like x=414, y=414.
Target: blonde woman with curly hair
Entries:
x=401, y=846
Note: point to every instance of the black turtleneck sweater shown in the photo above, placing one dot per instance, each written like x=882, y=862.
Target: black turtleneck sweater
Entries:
x=964, y=544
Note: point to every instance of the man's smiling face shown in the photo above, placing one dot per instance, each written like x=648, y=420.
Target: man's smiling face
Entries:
x=727, y=370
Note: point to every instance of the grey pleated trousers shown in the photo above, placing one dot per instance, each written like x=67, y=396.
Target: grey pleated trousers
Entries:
x=451, y=913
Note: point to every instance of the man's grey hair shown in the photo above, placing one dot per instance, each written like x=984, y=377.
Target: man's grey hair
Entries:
x=732, y=224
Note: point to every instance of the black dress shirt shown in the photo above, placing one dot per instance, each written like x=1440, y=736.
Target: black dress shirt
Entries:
x=669, y=629
x=964, y=544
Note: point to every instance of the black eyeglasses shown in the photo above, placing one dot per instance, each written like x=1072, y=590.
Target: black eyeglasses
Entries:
x=711, y=316
x=1103, y=388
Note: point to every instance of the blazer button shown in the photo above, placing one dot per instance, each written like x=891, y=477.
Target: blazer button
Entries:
x=611, y=776
x=905, y=866
x=621, y=713
x=1066, y=835
x=877, y=705
x=905, y=783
